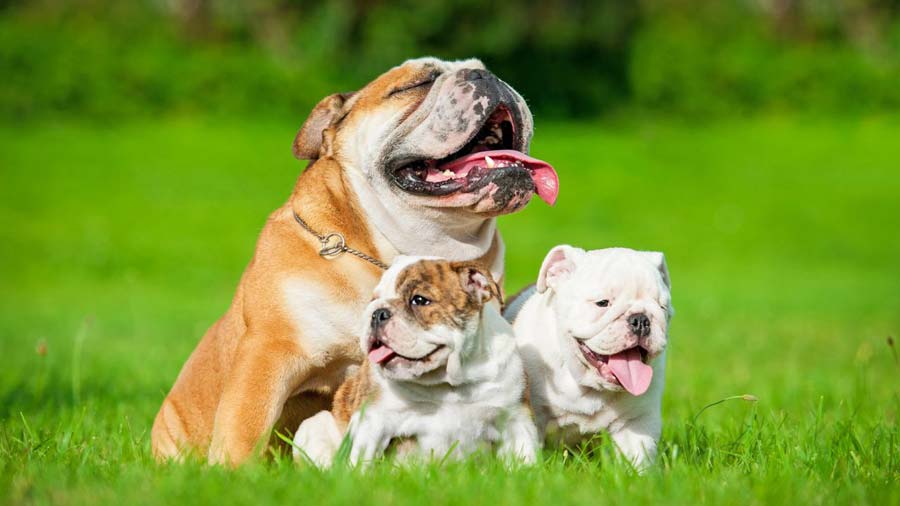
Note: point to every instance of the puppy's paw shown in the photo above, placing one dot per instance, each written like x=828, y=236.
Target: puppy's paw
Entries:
x=520, y=439
x=317, y=440
x=637, y=446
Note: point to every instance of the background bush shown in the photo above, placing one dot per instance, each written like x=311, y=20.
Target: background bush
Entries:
x=107, y=59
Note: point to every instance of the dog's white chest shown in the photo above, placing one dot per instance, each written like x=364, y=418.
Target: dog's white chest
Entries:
x=564, y=427
x=460, y=428
x=322, y=318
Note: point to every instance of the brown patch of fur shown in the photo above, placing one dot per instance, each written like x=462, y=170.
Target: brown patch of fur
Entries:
x=233, y=388
x=353, y=394
x=441, y=282
x=254, y=361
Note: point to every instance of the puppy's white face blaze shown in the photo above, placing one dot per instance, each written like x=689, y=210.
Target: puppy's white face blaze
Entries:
x=424, y=319
x=613, y=308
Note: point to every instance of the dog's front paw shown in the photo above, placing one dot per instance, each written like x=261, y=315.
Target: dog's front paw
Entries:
x=317, y=440
x=368, y=439
x=520, y=438
x=638, y=447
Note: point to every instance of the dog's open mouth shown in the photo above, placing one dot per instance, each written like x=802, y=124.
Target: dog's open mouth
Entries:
x=629, y=367
x=489, y=156
x=380, y=353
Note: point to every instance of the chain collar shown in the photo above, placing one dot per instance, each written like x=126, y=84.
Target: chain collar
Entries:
x=334, y=245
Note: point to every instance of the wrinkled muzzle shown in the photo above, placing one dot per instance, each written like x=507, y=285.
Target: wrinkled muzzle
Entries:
x=468, y=141
x=456, y=108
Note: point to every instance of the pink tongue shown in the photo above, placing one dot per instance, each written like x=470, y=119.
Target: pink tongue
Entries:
x=381, y=354
x=633, y=374
x=546, y=182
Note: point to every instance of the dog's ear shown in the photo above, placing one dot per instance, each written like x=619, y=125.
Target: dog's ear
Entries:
x=659, y=260
x=477, y=281
x=314, y=137
x=558, y=264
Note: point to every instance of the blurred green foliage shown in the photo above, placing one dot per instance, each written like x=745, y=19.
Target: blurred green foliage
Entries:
x=108, y=59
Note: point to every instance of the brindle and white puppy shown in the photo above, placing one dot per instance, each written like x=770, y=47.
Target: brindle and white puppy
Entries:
x=419, y=161
x=442, y=372
x=593, y=334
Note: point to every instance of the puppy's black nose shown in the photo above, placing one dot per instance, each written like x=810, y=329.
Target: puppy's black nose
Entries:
x=640, y=324
x=380, y=316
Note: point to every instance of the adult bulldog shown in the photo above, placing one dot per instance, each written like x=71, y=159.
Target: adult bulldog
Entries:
x=419, y=162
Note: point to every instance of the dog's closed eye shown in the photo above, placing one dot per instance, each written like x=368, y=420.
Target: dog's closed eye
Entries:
x=426, y=81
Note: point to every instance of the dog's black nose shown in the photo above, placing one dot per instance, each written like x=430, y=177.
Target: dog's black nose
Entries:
x=380, y=316
x=640, y=324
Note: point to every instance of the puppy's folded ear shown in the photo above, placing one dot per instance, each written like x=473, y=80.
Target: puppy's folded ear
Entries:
x=659, y=260
x=314, y=137
x=558, y=264
x=477, y=281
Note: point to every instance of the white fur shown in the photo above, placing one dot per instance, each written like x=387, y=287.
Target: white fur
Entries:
x=324, y=325
x=319, y=438
x=476, y=400
x=571, y=400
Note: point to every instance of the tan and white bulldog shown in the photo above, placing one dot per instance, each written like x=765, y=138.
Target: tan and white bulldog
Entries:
x=419, y=161
x=443, y=376
x=593, y=335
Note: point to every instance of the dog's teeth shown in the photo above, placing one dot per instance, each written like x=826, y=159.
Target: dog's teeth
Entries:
x=448, y=173
x=490, y=162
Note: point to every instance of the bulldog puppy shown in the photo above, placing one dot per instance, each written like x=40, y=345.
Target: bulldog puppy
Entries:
x=442, y=372
x=592, y=333
x=420, y=161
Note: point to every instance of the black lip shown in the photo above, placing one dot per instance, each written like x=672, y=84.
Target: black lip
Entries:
x=513, y=179
x=405, y=177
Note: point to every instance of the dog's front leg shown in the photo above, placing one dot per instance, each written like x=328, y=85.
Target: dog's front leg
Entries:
x=636, y=440
x=319, y=437
x=265, y=373
x=520, y=437
x=368, y=436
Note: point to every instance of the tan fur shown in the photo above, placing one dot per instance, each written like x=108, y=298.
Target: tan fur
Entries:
x=255, y=367
x=431, y=279
x=353, y=394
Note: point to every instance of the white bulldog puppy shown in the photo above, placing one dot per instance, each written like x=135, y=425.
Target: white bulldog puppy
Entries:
x=443, y=375
x=593, y=334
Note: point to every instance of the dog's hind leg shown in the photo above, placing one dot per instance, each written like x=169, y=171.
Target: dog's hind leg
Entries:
x=265, y=375
x=168, y=436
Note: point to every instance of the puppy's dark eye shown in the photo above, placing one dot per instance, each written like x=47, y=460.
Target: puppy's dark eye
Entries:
x=602, y=303
x=418, y=300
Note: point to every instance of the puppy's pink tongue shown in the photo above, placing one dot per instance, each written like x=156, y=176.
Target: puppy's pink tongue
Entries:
x=632, y=373
x=381, y=354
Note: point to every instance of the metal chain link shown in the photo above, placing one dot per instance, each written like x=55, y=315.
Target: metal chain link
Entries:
x=330, y=251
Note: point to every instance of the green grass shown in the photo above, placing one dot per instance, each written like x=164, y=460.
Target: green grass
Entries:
x=119, y=246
